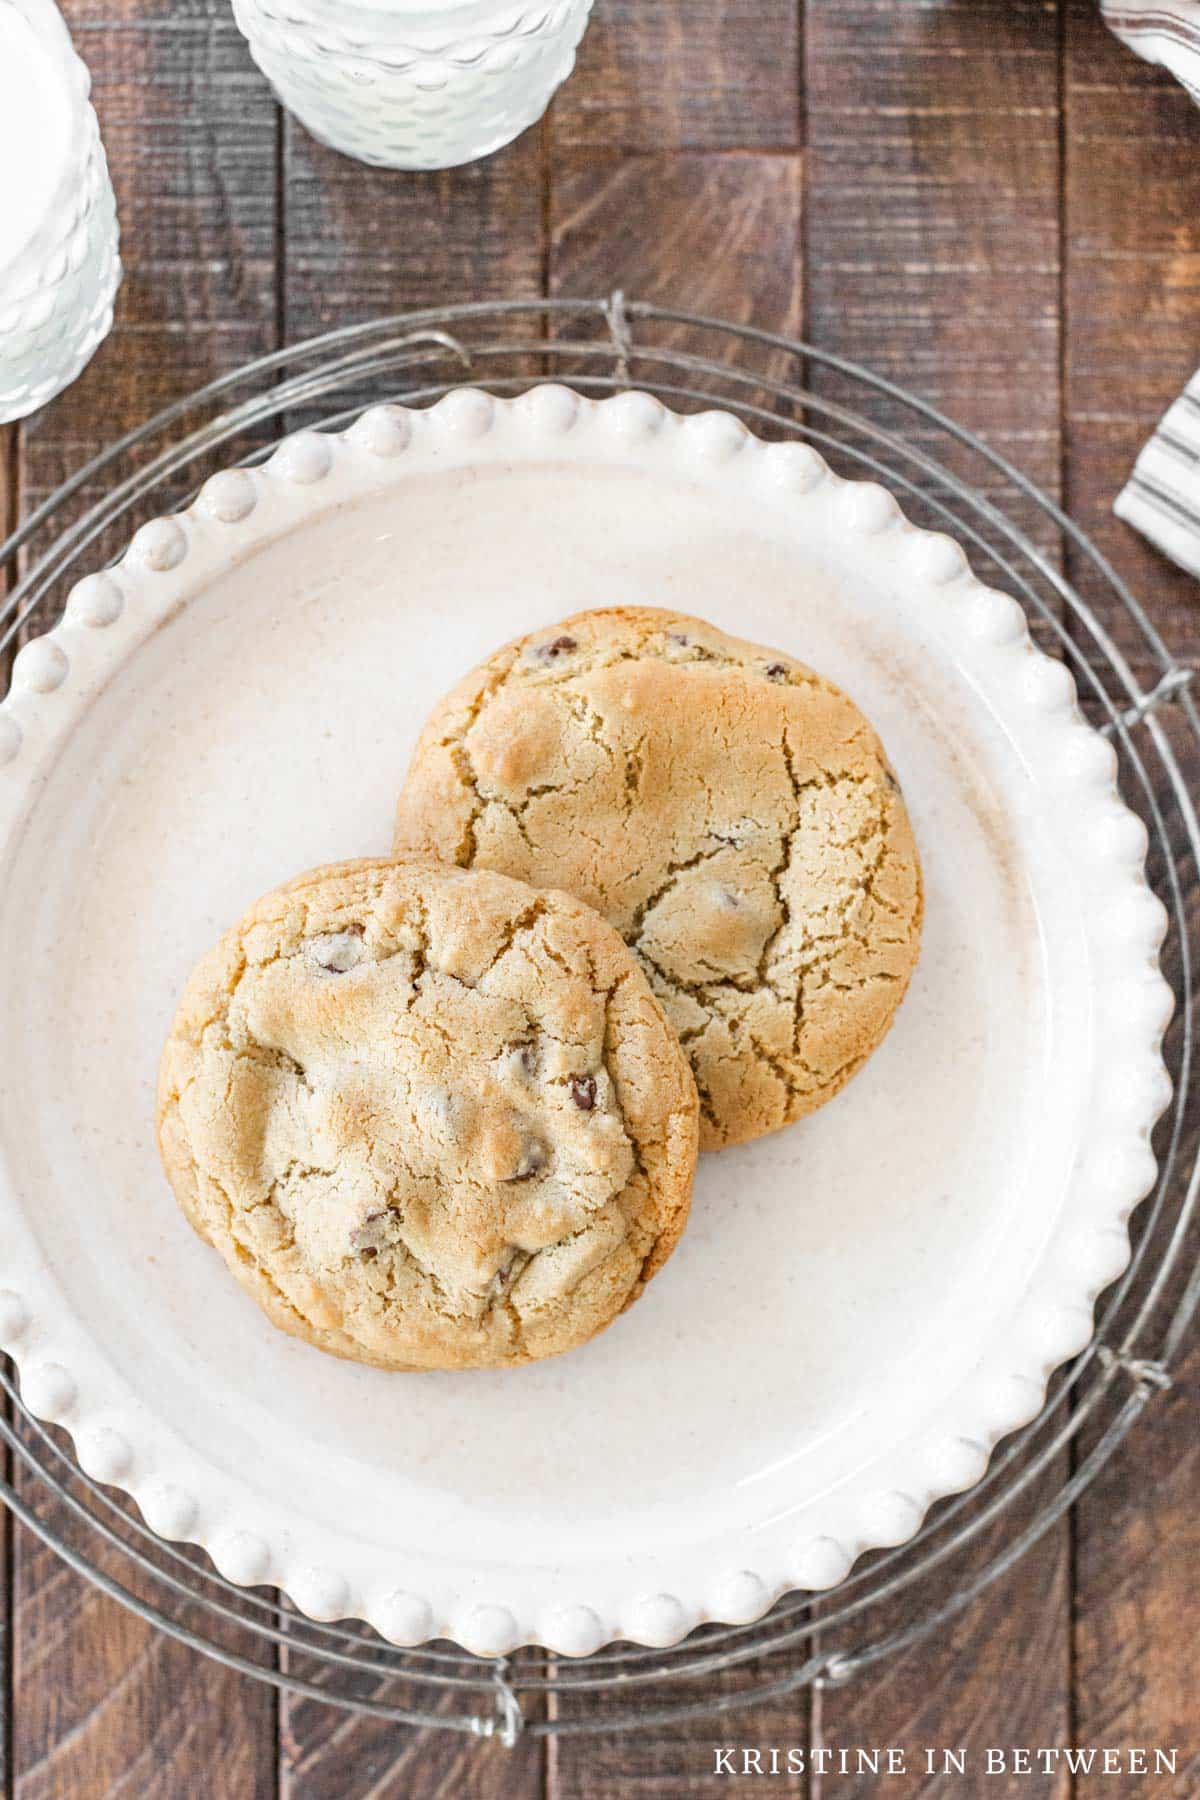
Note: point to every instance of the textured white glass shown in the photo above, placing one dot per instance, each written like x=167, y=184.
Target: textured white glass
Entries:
x=59, y=266
x=414, y=87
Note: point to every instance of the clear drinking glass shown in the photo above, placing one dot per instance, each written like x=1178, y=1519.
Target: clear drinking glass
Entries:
x=414, y=84
x=59, y=266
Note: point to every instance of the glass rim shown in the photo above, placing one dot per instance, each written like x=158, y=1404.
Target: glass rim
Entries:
x=58, y=219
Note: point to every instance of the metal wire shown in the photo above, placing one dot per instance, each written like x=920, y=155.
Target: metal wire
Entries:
x=1142, y=698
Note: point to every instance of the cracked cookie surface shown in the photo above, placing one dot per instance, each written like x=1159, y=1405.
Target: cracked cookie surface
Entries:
x=729, y=811
x=430, y=1118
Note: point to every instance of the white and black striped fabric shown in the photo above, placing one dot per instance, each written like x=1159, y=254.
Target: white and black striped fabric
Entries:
x=1162, y=31
x=1161, y=499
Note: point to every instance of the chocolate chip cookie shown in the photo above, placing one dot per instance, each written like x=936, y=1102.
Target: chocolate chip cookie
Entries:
x=429, y=1117
x=729, y=811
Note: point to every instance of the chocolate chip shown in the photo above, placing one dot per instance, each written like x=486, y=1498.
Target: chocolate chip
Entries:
x=583, y=1091
x=677, y=637
x=336, y=952
x=776, y=671
x=504, y=1277
x=367, y=1236
x=532, y=1161
x=526, y=1056
x=558, y=646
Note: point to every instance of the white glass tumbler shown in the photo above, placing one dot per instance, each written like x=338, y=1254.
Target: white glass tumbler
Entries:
x=414, y=84
x=59, y=266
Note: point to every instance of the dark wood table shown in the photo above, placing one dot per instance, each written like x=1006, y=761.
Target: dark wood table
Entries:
x=989, y=200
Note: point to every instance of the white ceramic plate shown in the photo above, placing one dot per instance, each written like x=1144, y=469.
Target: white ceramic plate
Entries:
x=861, y=1305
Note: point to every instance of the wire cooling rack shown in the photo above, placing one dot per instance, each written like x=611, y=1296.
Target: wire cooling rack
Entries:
x=1130, y=686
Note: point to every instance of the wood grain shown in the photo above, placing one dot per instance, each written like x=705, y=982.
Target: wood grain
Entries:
x=1132, y=299
x=329, y=1754
x=10, y=478
x=1132, y=295
x=110, y=1705
x=360, y=243
x=9, y=451
x=106, y=1704
x=1136, y=1605
x=933, y=210
x=666, y=75
x=996, y=1674
x=678, y=1761
x=716, y=234
x=363, y=243
x=932, y=231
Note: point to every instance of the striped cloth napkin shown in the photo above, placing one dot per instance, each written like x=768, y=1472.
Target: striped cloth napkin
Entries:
x=1162, y=497
x=1162, y=31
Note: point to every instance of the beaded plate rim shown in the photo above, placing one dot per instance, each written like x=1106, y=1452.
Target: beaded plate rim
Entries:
x=111, y=613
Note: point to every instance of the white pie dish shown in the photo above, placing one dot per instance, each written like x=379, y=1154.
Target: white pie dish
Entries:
x=235, y=701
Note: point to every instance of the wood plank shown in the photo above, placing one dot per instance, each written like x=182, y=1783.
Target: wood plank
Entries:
x=667, y=75
x=669, y=1762
x=1132, y=292
x=10, y=480
x=933, y=194
x=330, y=1754
x=997, y=1675
x=1137, y=1546
x=9, y=451
x=714, y=234
x=106, y=1704
x=361, y=243
x=932, y=227
x=1136, y=1625
x=364, y=243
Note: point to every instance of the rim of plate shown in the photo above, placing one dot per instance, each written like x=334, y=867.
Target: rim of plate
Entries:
x=238, y=511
